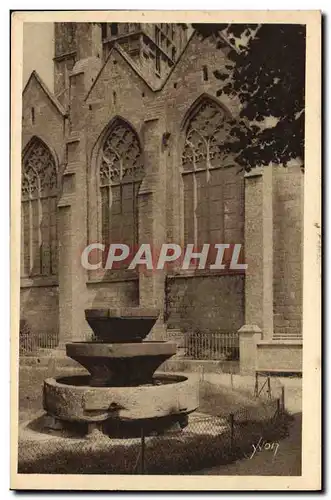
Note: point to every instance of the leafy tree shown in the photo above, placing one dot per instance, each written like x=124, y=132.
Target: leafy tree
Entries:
x=266, y=70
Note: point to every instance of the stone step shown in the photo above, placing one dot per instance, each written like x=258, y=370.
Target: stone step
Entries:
x=287, y=336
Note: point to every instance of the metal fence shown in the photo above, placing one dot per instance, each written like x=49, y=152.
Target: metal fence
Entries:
x=217, y=346
x=31, y=343
x=214, y=346
x=208, y=441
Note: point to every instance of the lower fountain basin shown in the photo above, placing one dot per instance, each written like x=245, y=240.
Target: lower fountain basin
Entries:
x=120, y=364
x=73, y=399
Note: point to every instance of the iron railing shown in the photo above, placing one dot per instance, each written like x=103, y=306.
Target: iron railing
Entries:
x=195, y=345
x=212, y=345
x=33, y=343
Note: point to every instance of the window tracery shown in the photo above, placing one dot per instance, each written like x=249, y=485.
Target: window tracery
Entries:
x=207, y=130
x=39, y=175
x=121, y=170
x=39, y=185
x=121, y=156
x=205, y=177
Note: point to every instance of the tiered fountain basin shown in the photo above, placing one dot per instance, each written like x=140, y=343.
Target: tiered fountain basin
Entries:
x=115, y=364
x=122, y=384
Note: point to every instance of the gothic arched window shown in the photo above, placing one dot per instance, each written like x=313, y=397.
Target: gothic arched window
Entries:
x=121, y=171
x=38, y=212
x=213, y=193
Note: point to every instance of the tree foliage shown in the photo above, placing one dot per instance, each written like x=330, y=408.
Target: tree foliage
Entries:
x=266, y=71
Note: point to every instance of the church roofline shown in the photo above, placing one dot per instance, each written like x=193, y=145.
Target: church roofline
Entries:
x=128, y=60
x=131, y=63
x=136, y=70
x=193, y=34
x=46, y=90
x=177, y=62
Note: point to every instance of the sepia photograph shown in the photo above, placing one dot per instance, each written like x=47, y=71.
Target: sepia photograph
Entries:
x=166, y=265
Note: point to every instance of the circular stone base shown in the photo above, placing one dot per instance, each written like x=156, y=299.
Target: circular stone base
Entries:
x=72, y=399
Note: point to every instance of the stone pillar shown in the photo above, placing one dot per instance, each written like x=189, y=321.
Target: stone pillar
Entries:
x=254, y=247
x=249, y=335
x=152, y=219
x=65, y=274
x=259, y=249
x=268, y=296
x=72, y=240
x=72, y=209
x=259, y=260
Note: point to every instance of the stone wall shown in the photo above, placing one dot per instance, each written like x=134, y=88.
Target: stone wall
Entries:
x=117, y=294
x=281, y=356
x=39, y=306
x=205, y=303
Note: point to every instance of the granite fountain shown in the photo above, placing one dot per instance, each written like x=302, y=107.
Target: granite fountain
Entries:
x=122, y=386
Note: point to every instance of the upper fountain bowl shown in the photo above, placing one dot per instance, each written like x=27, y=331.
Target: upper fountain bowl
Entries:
x=119, y=325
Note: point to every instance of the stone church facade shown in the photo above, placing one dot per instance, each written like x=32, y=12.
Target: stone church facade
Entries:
x=126, y=151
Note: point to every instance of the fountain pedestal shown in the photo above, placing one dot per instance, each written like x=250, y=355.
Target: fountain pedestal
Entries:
x=122, y=385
